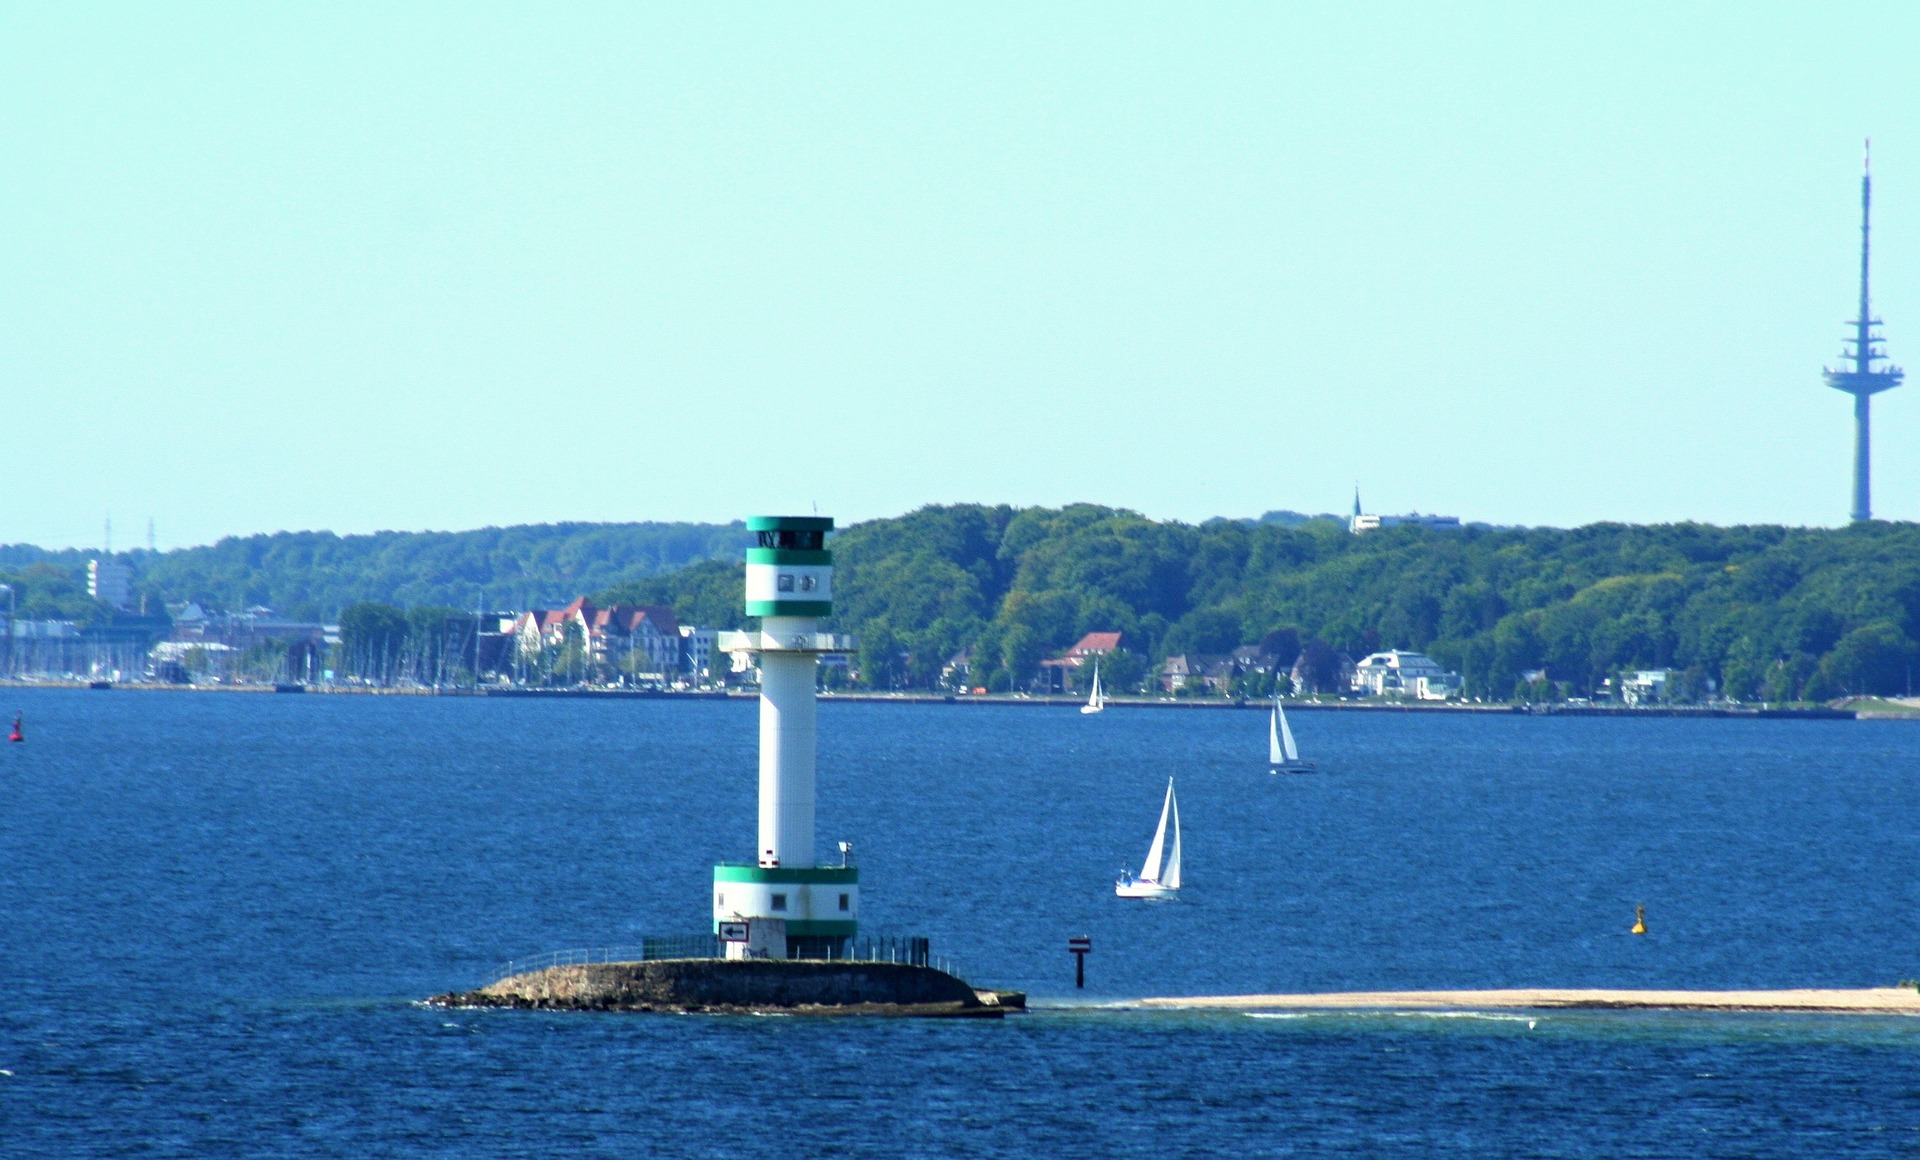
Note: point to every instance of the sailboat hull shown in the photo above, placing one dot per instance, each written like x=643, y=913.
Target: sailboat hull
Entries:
x=1093, y=708
x=1139, y=888
x=1294, y=767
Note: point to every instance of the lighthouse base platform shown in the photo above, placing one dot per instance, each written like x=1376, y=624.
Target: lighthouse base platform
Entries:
x=796, y=986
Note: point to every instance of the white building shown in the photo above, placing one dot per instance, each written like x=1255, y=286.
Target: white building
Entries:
x=1366, y=523
x=1405, y=674
x=697, y=647
x=1648, y=685
x=110, y=582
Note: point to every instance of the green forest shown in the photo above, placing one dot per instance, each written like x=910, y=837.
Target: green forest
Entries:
x=313, y=575
x=1754, y=613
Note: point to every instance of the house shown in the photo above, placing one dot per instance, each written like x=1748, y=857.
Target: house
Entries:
x=1180, y=671
x=1646, y=686
x=1196, y=670
x=1404, y=674
x=1094, y=644
x=1053, y=672
x=1302, y=678
x=639, y=638
x=1251, y=658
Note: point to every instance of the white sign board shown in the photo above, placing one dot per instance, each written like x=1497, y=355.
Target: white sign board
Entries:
x=733, y=932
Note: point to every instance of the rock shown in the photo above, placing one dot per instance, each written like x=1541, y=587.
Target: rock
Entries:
x=808, y=986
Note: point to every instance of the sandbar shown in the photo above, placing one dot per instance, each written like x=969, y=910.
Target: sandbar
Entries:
x=1864, y=1001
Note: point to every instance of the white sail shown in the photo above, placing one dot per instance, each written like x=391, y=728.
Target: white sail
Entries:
x=1098, y=700
x=1275, y=754
x=1288, y=749
x=1151, y=870
x=1172, y=879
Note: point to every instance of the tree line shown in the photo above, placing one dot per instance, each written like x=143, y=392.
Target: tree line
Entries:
x=314, y=575
x=1753, y=612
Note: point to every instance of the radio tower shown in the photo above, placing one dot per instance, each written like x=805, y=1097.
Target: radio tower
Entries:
x=1863, y=382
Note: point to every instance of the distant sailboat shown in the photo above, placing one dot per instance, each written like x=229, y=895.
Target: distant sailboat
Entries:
x=1152, y=882
x=1098, y=700
x=1282, y=753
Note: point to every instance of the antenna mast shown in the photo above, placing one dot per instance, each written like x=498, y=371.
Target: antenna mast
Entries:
x=1863, y=381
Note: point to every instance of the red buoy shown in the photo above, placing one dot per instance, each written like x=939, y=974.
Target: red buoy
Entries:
x=16, y=735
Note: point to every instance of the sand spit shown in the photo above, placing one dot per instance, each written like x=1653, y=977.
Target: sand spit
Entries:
x=1865, y=1001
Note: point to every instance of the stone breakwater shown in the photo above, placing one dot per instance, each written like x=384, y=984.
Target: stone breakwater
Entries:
x=740, y=985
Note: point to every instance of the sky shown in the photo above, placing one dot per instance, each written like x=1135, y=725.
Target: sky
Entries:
x=404, y=266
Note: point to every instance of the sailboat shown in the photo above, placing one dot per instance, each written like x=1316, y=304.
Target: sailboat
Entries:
x=1098, y=700
x=1282, y=753
x=1153, y=882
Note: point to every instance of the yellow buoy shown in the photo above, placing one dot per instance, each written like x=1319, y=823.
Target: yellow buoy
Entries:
x=1639, y=920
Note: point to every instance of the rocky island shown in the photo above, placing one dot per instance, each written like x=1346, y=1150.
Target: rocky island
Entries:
x=720, y=986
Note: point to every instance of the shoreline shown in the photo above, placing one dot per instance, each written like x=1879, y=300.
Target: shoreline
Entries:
x=1811, y=713
x=1859, y=1001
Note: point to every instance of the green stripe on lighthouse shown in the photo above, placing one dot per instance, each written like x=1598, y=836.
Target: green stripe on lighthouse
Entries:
x=788, y=556
x=813, y=608
x=789, y=523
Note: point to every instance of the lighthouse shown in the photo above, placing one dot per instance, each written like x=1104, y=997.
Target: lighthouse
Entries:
x=783, y=904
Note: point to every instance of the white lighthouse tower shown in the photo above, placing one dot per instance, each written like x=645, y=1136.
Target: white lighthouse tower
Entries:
x=785, y=904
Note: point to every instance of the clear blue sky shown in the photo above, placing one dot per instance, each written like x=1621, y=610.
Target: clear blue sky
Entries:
x=272, y=266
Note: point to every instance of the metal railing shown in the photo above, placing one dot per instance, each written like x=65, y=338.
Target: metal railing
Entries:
x=910, y=950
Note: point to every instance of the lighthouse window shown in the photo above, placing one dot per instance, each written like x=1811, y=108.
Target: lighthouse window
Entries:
x=807, y=583
x=719, y=901
x=785, y=582
x=846, y=902
x=779, y=902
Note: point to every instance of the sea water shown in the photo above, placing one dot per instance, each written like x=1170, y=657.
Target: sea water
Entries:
x=217, y=913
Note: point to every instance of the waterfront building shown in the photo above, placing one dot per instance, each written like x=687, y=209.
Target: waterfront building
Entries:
x=1053, y=671
x=700, y=654
x=1197, y=671
x=1404, y=674
x=193, y=624
x=1302, y=678
x=1094, y=644
x=643, y=639
x=1645, y=687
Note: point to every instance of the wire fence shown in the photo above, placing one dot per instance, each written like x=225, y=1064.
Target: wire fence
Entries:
x=909, y=950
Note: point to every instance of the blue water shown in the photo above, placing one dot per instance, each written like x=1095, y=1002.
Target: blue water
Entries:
x=216, y=910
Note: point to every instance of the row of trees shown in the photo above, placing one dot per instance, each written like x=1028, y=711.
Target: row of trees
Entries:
x=313, y=575
x=1761, y=612
x=1755, y=613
